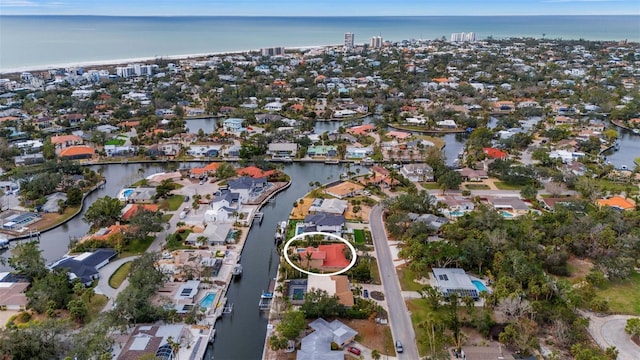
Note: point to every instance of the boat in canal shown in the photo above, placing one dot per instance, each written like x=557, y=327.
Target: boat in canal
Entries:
x=237, y=270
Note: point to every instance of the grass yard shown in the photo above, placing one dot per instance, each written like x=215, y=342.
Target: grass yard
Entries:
x=616, y=187
x=477, y=187
x=97, y=303
x=120, y=275
x=137, y=247
x=116, y=141
x=430, y=186
x=623, y=296
x=358, y=235
x=407, y=277
x=420, y=311
x=50, y=219
x=172, y=203
x=375, y=273
x=437, y=142
x=372, y=335
x=504, y=186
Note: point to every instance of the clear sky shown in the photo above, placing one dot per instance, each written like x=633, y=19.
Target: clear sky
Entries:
x=320, y=7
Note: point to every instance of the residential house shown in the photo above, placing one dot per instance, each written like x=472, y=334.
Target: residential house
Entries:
x=323, y=222
x=511, y=204
x=207, y=150
x=447, y=124
x=317, y=345
x=216, y=234
x=550, y=203
x=279, y=150
x=108, y=232
x=417, y=172
x=53, y=202
x=322, y=151
x=456, y=203
x=28, y=159
x=355, y=152
x=274, y=106
x=329, y=206
x=361, y=129
x=454, y=281
x=153, y=340
x=64, y=141
x=170, y=149
x=255, y=172
x=142, y=195
x=247, y=187
x=618, y=203
x=208, y=170
x=469, y=174
x=12, y=291
x=433, y=221
x=131, y=209
x=77, y=152
x=223, y=207
x=337, y=285
x=494, y=153
x=86, y=265
x=233, y=125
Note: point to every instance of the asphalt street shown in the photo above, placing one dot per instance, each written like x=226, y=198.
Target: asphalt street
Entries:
x=399, y=318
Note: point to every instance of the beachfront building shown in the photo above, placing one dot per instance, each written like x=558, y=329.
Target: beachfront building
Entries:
x=463, y=37
x=375, y=42
x=349, y=40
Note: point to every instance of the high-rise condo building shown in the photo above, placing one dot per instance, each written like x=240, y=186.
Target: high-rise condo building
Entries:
x=375, y=42
x=463, y=37
x=349, y=40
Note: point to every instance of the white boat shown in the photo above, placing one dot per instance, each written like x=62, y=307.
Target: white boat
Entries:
x=4, y=244
x=636, y=131
x=237, y=270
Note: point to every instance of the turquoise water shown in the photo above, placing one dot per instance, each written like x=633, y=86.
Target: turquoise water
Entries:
x=506, y=214
x=456, y=213
x=127, y=192
x=207, y=301
x=479, y=285
x=32, y=42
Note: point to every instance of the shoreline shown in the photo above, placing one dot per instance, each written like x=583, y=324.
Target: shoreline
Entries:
x=126, y=61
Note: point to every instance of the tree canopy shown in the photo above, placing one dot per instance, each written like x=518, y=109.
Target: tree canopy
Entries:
x=105, y=211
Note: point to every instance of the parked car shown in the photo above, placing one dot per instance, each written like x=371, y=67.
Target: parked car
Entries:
x=365, y=293
x=399, y=347
x=186, y=198
x=353, y=350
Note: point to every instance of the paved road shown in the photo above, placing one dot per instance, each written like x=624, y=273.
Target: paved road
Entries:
x=399, y=318
x=609, y=331
x=103, y=286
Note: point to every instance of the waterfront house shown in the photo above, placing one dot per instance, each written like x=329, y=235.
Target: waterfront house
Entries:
x=361, y=129
x=131, y=209
x=255, y=172
x=329, y=206
x=279, y=150
x=335, y=285
x=216, y=234
x=454, y=281
x=86, y=265
x=322, y=151
x=447, y=124
x=209, y=170
x=77, y=152
x=28, y=159
x=317, y=345
x=356, y=152
x=247, y=187
x=325, y=258
x=142, y=195
x=417, y=172
x=494, y=153
x=223, y=207
x=153, y=340
x=206, y=150
x=324, y=222
x=233, y=125
x=170, y=149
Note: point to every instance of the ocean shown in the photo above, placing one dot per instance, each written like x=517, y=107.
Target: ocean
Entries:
x=37, y=42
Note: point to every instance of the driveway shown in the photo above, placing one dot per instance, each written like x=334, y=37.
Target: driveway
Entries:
x=103, y=286
x=609, y=331
x=399, y=318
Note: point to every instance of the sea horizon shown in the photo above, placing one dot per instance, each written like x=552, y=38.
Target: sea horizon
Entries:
x=41, y=42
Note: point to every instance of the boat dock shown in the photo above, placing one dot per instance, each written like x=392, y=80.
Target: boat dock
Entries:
x=267, y=296
x=258, y=216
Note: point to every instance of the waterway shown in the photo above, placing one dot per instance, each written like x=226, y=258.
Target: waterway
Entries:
x=629, y=150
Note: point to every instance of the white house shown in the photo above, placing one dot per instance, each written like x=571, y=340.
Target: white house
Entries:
x=353, y=152
x=416, y=120
x=233, y=125
x=274, y=106
x=222, y=208
x=417, y=172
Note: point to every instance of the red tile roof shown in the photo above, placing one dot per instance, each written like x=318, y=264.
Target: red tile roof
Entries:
x=77, y=150
x=134, y=209
x=494, y=153
x=255, y=172
x=61, y=139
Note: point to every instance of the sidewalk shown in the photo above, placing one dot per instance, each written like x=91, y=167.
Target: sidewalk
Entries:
x=103, y=286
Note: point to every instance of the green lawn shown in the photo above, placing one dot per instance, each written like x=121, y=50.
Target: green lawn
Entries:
x=358, y=235
x=117, y=142
x=172, y=203
x=96, y=304
x=430, y=186
x=137, y=247
x=477, y=187
x=504, y=186
x=375, y=273
x=616, y=187
x=120, y=275
x=623, y=296
x=421, y=311
x=406, y=277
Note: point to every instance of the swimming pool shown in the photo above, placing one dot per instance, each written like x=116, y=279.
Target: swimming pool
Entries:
x=479, y=285
x=456, y=213
x=127, y=192
x=506, y=214
x=207, y=301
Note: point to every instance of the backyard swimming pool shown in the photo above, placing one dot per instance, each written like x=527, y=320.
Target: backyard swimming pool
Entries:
x=506, y=214
x=456, y=213
x=479, y=285
x=207, y=301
